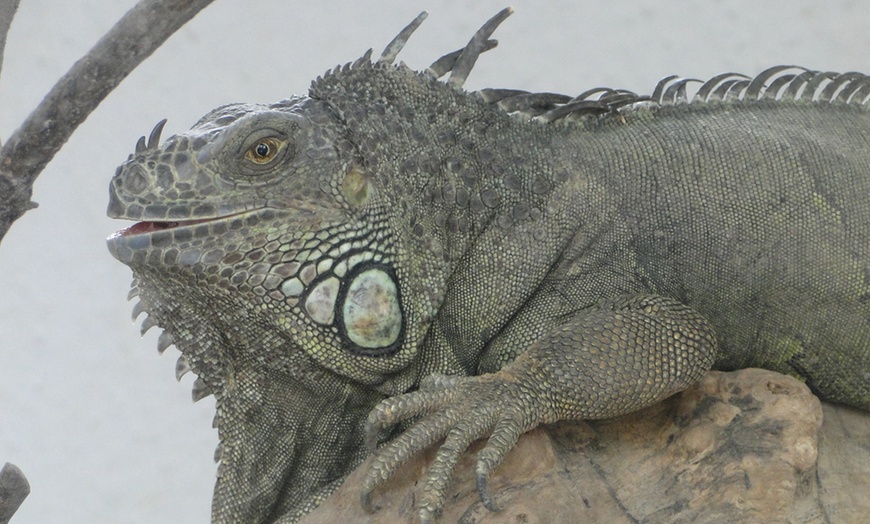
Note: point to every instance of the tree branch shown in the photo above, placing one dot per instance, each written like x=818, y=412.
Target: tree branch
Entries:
x=7, y=12
x=14, y=488
x=138, y=34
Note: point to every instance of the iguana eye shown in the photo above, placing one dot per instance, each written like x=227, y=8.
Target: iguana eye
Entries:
x=265, y=150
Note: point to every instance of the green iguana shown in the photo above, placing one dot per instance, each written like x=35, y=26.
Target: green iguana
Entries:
x=537, y=256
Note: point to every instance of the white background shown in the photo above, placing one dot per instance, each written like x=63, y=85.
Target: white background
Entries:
x=87, y=409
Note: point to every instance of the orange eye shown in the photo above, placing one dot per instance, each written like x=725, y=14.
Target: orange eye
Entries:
x=264, y=151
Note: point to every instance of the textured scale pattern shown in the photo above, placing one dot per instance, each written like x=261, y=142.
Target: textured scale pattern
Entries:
x=391, y=251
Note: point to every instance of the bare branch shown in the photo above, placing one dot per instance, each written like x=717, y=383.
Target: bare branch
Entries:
x=14, y=488
x=141, y=31
x=7, y=12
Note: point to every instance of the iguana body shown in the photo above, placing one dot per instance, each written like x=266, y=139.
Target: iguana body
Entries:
x=584, y=257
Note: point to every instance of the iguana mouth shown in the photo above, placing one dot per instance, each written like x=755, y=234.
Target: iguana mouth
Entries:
x=146, y=227
x=141, y=236
x=140, y=228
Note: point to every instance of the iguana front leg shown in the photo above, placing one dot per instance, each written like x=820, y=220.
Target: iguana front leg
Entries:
x=624, y=355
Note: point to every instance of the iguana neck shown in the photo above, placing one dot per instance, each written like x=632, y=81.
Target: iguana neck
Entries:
x=263, y=433
x=277, y=459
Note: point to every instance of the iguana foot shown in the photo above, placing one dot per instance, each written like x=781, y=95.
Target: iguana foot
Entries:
x=462, y=409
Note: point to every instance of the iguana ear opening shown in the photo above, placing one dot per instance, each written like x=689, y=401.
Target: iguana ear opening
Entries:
x=355, y=186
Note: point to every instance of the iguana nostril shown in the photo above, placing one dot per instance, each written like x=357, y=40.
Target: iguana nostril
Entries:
x=137, y=181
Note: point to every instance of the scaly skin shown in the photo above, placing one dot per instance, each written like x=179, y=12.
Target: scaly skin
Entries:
x=316, y=259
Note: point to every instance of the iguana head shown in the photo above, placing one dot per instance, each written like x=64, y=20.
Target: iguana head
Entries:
x=263, y=209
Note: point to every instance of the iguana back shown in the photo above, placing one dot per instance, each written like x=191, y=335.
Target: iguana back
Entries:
x=757, y=214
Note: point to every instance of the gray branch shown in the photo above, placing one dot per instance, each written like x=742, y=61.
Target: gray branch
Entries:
x=138, y=34
x=32, y=146
x=7, y=12
x=14, y=488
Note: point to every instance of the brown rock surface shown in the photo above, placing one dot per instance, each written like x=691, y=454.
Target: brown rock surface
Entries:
x=744, y=446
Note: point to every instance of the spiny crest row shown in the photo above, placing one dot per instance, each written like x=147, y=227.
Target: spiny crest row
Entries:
x=779, y=83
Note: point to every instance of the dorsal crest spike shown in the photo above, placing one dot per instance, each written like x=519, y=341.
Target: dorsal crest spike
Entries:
x=661, y=85
x=737, y=90
x=466, y=60
x=758, y=86
x=395, y=46
x=861, y=94
x=813, y=86
x=712, y=85
x=838, y=84
x=676, y=92
x=793, y=91
x=364, y=59
x=445, y=64
x=771, y=92
x=141, y=145
x=854, y=86
x=154, y=137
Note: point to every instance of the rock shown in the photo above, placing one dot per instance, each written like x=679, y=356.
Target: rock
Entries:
x=744, y=446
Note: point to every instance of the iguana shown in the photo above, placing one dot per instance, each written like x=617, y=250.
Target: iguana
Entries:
x=392, y=247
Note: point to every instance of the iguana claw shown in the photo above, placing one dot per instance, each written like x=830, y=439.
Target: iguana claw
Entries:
x=503, y=438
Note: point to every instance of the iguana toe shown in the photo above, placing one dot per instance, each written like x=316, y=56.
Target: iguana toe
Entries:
x=502, y=440
x=390, y=457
